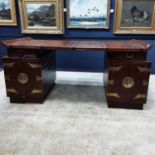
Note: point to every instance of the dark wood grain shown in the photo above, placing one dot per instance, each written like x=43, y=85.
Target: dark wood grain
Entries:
x=117, y=46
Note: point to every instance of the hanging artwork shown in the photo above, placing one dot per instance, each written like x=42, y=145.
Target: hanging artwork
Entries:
x=88, y=13
x=135, y=17
x=42, y=16
x=7, y=13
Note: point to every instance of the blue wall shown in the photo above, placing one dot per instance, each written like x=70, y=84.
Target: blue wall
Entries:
x=80, y=61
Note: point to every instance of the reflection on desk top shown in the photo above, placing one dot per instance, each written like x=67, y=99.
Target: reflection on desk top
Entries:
x=111, y=46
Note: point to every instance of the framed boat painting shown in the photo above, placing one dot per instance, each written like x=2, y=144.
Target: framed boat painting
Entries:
x=88, y=14
x=135, y=17
x=42, y=16
x=7, y=13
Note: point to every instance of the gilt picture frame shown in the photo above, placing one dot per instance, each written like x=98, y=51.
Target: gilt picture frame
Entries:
x=134, y=17
x=42, y=16
x=88, y=14
x=7, y=13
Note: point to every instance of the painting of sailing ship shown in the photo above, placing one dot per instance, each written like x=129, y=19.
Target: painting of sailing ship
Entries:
x=41, y=15
x=88, y=13
x=5, y=10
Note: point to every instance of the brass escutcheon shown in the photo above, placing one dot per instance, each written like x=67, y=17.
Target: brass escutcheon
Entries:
x=22, y=78
x=128, y=82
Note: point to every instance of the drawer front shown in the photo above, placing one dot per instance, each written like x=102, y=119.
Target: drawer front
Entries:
x=128, y=81
x=128, y=56
x=29, y=53
x=22, y=76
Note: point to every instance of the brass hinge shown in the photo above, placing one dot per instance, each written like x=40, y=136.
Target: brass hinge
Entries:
x=140, y=96
x=144, y=69
x=12, y=91
x=111, y=82
x=34, y=66
x=113, y=95
x=115, y=69
x=36, y=91
x=9, y=65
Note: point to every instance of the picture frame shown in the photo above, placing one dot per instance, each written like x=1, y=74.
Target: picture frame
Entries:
x=134, y=17
x=88, y=14
x=42, y=16
x=7, y=13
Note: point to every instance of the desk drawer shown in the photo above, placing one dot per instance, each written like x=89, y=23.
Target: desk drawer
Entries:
x=127, y=56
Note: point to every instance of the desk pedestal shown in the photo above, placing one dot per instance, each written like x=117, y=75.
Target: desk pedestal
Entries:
x=29, y=75
x=128, y=79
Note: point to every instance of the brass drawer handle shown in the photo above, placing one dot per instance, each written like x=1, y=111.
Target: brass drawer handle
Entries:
x=130, y=55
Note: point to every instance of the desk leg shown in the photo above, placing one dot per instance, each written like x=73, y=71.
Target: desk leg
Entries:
x=29, y=79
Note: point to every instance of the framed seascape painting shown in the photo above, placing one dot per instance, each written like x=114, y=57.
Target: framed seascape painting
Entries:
x=42, y=16
x=7, y=13
x=88, y=14
x=135, y=17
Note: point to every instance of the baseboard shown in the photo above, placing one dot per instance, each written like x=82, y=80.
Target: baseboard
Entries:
x=79, y=78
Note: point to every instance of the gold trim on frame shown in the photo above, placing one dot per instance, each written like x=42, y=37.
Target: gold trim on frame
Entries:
x=58, y=29
x=89, y=27
x=140, y=96
x=13, y=21
x=130, y=30
x=36, y=91
x=113, y=95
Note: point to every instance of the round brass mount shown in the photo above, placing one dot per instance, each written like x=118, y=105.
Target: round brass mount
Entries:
x=128, y=82
x=22, y=78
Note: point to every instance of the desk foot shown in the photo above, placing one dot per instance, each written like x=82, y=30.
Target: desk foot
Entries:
x=126, y=106
x=26, y=100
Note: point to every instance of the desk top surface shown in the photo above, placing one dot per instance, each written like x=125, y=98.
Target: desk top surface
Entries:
x=118, y=46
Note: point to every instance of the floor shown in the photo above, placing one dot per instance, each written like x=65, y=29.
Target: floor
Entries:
x=75, y=120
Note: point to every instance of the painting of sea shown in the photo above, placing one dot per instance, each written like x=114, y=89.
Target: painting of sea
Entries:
x=88, y=13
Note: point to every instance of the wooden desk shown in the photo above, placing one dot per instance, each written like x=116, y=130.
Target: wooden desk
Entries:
x=30, y=69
